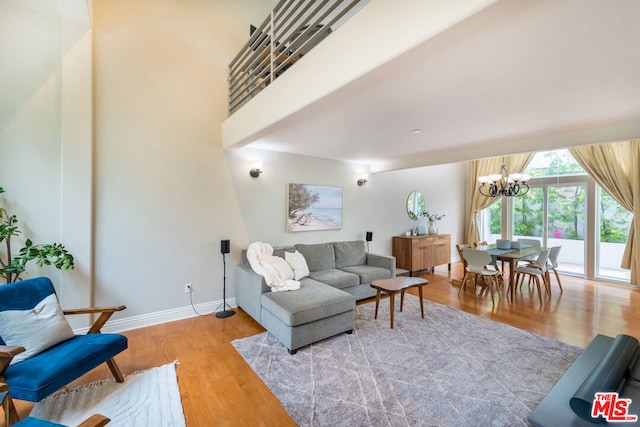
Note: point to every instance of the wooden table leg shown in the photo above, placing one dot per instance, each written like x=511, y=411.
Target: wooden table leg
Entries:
x=421, y=302
x=401, y=299
x=377, y=303
x=392, y=298
x=512, y=275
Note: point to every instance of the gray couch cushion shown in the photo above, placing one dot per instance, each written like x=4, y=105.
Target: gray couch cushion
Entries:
x=313, y=301
x=279, y=251
x=319, y=257
x=350, y=253
x=368, y=273
x=336, y=278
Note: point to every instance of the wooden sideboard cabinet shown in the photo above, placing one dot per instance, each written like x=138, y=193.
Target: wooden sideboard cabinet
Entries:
x=415, y=253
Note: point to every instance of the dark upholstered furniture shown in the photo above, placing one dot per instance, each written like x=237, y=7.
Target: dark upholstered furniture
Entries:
x=40, y=375
x=607, y=364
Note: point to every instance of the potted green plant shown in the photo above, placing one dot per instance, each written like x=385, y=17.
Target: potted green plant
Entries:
x=433, y=221
x=12, y=266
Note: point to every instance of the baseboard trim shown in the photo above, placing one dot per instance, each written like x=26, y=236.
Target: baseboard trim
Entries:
x=159, y=317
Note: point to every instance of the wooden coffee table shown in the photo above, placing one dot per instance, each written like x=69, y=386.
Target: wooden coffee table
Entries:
x=398, y=284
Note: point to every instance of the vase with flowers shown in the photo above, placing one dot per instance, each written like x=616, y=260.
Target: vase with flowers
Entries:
x=433, y=221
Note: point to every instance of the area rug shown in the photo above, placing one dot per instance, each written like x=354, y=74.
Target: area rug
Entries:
x=146, y=398
x=449, y=369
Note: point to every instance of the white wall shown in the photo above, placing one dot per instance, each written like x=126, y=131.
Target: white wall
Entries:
x=111, y=143
x=379, y=206
x=45, y=137
x=164, y=196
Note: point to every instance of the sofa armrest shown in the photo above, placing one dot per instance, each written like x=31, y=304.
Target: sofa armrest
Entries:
x=249, y=288
x=388, y=262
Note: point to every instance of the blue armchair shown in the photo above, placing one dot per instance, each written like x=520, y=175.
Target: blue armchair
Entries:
x=48, y=369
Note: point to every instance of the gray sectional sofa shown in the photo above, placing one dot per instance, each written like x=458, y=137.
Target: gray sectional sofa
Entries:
x=339, y=275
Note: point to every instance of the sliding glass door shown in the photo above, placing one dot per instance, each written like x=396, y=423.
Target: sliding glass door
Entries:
x=566, y=225
x=614, y=222
x=555, y=215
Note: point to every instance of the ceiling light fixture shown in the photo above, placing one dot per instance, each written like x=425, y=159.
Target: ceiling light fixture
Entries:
x=503, y=184
x=416, y=131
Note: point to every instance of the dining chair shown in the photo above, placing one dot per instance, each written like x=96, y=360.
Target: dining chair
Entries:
x=494, y=262
x=552, y=264
x=534, y=243
x=477, y=260
x=534, y=270
x=459, y=248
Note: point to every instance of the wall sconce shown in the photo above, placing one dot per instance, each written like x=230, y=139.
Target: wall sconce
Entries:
x=368, y=238
x=256, y=170
x=362, y=181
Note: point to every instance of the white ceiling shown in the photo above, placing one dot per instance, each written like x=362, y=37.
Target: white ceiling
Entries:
x=559, y=67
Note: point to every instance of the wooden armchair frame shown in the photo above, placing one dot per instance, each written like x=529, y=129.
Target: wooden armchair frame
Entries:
x=105, y=315
x=7, y=353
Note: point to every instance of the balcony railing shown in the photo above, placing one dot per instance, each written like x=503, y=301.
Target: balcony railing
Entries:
x=292, y=29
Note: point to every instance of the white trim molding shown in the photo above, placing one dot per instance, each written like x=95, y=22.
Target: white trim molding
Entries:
x=150, y=319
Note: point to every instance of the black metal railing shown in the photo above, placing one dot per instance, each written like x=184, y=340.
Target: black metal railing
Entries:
x=293, y=28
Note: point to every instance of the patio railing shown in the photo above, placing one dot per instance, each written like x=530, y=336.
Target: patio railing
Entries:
x=292, y=29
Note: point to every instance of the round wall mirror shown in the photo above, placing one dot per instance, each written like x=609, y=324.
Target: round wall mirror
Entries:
x=415, y=205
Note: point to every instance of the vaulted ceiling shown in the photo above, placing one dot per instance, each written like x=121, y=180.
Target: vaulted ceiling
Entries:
x=557, y=73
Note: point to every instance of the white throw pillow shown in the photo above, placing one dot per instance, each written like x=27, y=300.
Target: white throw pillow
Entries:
x=298, y=264
x=36, y=329
x=284, y=270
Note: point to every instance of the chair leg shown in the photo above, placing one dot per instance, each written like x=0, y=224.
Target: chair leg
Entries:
x=115, y=370
x=538, y=286
x=558, y=279
x=546, y=278
x=10, y=412
x=489, y=283
x=463, y=285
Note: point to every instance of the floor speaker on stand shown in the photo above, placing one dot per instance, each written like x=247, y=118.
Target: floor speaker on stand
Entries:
x=225, y=247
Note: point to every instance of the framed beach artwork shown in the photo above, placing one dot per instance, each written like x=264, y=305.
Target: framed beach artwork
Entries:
x=314, y=207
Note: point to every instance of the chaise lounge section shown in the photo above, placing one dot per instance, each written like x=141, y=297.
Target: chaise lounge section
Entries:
x=324, y=306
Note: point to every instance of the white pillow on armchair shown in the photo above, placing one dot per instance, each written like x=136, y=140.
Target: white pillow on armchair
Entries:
x=35, y=329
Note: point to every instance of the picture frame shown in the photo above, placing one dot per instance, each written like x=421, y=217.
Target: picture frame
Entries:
x=313, y=207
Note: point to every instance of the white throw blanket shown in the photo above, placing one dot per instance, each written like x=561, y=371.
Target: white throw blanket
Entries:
x=264, y=263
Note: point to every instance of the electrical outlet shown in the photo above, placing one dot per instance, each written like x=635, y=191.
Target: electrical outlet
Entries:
x=187, y=288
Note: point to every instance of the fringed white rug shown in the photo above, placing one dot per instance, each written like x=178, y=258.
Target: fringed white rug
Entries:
x=146, y=398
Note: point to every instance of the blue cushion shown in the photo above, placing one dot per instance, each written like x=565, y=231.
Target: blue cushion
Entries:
x=34, y=422
x=24, y=295
x=37, y=377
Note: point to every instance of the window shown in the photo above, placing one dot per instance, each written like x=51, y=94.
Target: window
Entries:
x=556, y=211
x=614, y=223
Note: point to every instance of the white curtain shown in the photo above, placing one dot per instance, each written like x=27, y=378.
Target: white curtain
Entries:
x=616, y=168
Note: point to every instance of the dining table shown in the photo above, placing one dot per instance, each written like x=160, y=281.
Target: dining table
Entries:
x=511, y=257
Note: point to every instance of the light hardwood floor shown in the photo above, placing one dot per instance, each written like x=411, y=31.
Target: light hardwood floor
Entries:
x=219, y=389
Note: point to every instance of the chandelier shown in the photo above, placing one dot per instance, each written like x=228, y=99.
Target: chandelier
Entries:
x=503, y=184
